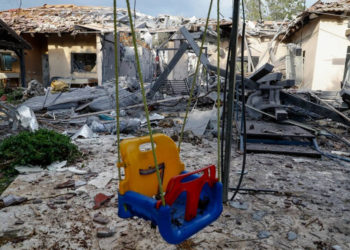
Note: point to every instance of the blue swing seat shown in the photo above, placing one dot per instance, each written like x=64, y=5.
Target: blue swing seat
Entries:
x=174, y=221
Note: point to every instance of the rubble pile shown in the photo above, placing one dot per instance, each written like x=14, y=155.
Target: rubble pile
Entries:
x=45, y=19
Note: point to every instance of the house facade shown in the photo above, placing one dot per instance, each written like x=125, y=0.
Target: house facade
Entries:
x=319, y=31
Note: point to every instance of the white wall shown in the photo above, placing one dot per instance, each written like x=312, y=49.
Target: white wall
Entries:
x=331, y=54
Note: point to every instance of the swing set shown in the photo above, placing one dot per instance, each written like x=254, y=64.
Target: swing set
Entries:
x=192, y=200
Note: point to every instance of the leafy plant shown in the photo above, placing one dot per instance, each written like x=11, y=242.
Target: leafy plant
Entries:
x=42, y=147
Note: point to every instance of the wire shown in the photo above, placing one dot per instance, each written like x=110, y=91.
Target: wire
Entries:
x=195, y=75
x=145, y=103
x=243, y=120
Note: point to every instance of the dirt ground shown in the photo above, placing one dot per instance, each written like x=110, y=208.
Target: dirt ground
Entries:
x=311, y=211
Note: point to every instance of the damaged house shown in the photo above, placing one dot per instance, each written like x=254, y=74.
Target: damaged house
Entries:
x=70, y=43
x=324, y=49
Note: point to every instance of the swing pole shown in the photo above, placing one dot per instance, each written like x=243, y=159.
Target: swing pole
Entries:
x=230, y=99
x=145, y=103
x=218, y=91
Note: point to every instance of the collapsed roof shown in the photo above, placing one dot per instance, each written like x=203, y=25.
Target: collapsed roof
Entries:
x=72, y=18
x=10, y=40
x=331, y=8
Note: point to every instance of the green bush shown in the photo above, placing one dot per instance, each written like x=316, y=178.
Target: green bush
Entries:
x=42, y=148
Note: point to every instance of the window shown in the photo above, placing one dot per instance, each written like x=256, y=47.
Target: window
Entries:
x=83, y=62
x=6, y=61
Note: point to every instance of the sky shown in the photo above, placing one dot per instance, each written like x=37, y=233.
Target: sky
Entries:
x=186, y=8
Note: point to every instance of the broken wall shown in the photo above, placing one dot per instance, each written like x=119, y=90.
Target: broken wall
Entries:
x=108, y=58
x=60, y=49
x=127, y=65
x=259, y=47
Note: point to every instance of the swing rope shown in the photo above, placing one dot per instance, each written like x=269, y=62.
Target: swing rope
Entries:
x=117, y=86
x=195, y=76
x=218, y=91
x=145, y=103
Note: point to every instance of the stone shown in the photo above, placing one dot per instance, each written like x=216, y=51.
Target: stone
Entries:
x=264, y=234
x=336, y=247
x=37, y=201
x=19, y=222
x=99, y=218
x=259, y=215
x=239, y=205
x=292, y=236
x=104, y=232
x=166, y=123
x=67, y=184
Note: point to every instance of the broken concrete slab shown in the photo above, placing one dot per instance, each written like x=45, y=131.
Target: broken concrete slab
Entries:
x=198, y=121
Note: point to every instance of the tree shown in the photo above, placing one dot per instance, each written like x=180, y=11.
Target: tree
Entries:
x=278, y=10
x=272, y=9
x=255, y=10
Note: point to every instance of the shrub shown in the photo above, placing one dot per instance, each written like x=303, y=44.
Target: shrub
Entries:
x=42, y=148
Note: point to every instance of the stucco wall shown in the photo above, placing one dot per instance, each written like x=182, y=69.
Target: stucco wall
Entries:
x=331, y=54
x=60, y=49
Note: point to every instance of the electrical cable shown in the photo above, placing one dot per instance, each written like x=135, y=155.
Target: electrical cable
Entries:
x=243, y=119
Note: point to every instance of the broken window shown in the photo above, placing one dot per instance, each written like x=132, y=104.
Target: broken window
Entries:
x=83, y=62
x=6, y=61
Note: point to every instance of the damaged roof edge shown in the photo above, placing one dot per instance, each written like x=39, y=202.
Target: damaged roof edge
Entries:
x=22, y=44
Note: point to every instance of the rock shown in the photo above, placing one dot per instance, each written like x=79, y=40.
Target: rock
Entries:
x=104, y=232
x=19, y=222
x=239, y=205
x=189, y=137
x=292, y=236
x=11, y=200
x=15, y=235
x=99, y=218
x=174, y=137
x=288, y=165
x=67, y=184
x=259, y=215
x=37, y=201
x=264, y=234
x=336, y=247
x=166, y=123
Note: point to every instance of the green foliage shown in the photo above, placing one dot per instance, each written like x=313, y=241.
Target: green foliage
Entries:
x=277, y=10
x=42, y=147
x=272, y=9
x=253, y=10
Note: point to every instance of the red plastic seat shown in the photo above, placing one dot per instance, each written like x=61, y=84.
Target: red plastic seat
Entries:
x=192, y=187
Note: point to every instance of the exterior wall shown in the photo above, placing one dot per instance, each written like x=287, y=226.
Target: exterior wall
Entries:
x=33, y=57
x=60, y=50
x=308, y=39
x=331, y=54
